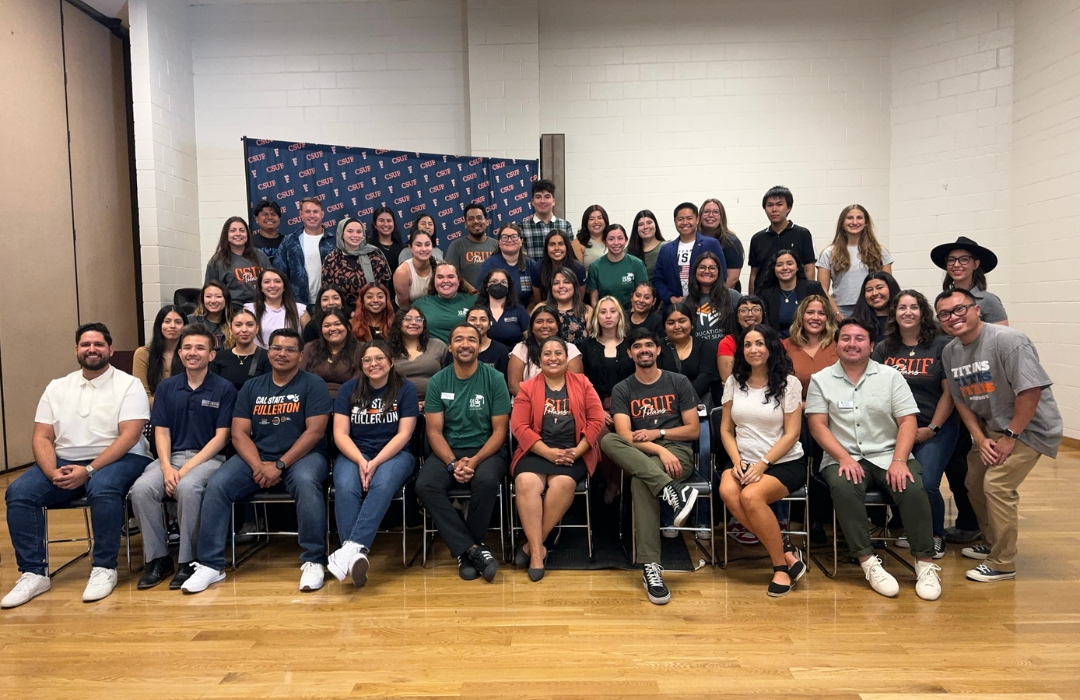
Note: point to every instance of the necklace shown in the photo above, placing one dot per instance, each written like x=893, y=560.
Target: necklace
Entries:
x=787, y=295
x=911, y=350
x=242, y=358
x=330, y=360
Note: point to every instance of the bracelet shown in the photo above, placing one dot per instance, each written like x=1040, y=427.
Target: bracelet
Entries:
x=901, y=461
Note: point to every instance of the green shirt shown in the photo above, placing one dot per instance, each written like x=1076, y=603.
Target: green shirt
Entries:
x=443, y=314
x=617, y=279
x=467, y=405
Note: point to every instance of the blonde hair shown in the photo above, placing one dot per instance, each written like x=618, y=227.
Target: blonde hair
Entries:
x=594, y=322
x=869, y=248
x=798, y=333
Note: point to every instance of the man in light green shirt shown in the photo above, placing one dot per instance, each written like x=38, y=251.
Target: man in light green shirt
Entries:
x=863, y=415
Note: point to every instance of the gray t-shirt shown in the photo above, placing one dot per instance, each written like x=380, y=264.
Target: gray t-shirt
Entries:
x=991, y=310
x=656, y=406
x=469, y=256
x=846, y=287
x=238, y=274
x=986, y=375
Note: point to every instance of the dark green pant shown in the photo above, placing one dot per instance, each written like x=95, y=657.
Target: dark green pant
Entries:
x=849, y=503
x=647, y=480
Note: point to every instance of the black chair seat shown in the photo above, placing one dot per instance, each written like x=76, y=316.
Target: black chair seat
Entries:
x=877, y=497
x=80, y=502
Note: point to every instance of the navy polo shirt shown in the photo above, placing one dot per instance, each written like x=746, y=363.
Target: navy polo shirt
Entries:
x=521, y=282
x=510, y=328
x=193, y=415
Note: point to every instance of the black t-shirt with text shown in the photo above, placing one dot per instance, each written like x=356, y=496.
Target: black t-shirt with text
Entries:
x=923, y=370
x=656, y=406
x=278, y=414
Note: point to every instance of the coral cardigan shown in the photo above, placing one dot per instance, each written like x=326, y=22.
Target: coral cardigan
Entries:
x=527, y=416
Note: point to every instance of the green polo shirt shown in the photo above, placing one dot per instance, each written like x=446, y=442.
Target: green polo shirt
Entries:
x=862, y=416
x=467, y=405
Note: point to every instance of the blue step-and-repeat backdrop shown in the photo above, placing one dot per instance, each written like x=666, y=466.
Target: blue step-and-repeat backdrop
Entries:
x=354, y=180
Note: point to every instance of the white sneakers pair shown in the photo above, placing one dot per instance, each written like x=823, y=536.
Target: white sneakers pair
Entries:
x=350, y=559
x=29, y=586
x=927, y=582
x=311, y=578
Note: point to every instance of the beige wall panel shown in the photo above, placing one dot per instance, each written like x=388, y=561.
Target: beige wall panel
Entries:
x=100, y=184
x=37, y=270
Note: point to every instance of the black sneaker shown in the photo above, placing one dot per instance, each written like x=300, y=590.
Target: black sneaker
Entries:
x=465, y=569
x=956, y=535
x=484, y=562
x=653, y=580
x=939, y=547
x=984, y=573
x=681, y=500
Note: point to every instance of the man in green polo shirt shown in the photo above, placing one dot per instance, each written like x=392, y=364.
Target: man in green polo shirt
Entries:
x=863, y=415
x=467, y=410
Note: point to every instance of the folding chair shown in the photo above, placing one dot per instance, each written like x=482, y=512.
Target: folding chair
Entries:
x=582, y=489
x=260, y=500
x=76, y=503
x=881, y=537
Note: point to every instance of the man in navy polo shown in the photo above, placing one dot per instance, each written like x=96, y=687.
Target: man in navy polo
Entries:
x=671, y=276
x=191, y=418
x=279, y=432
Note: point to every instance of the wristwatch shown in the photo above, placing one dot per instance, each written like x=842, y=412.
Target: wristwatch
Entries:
x=766, y=462
x=280, y=465
x=450, y=466
x=1010, y=434
x=663, y=434
x=934, y=428
x=89, y=471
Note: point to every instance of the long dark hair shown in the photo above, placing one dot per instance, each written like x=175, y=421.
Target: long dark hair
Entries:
x=767, y=275
x=373, y=235
x=635, y=246
x=224, y=250
x=583, y=233
x=928, y=330
x=319, y=314
x=484, y=299
x=361, y=396
x=319, y=352
x=396, y=342
x=549, y=267
x=288, y=299
x=414, y=226
x=155, y=365
x=578, y=308
x=532, y=345
x=719, y=297
x=778, y=366
x=862, y=311
x=226, y=313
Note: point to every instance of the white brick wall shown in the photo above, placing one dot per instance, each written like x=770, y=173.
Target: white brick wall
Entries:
x=384, y=74
x=1043, y=251
x=165, y=156
x=667, y=101
x=951, y=124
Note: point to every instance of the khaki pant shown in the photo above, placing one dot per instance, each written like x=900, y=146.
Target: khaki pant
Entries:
x=993, y=495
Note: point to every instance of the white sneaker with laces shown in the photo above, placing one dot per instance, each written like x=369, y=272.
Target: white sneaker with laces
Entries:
x=880, y=579
x=341, y=560
x=101, y=584
x=201, y=579
x=28, y=587
x=928, y=583
x=311, y=576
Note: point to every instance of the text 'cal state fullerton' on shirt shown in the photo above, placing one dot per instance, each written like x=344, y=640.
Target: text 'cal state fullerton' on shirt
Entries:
x=372, y=426
x=279, y=414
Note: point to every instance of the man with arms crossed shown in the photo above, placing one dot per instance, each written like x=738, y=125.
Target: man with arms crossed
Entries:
x=87, y=441
x=862, y=413
x=1003, y=396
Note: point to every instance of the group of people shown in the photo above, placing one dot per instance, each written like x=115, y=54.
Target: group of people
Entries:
x=313, y=371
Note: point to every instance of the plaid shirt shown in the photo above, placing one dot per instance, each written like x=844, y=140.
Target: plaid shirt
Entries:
x=536, y=231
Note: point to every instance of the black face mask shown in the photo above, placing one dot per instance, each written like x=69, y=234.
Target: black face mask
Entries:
x=498, y=290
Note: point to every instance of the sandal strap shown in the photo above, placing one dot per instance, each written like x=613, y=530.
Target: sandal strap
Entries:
x=783, y=568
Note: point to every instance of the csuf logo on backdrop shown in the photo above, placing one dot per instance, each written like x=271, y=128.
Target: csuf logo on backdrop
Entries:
x=355, y=180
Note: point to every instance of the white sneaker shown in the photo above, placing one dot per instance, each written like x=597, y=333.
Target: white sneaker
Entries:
x=359, y=569
x=311, y=576
x=342, y=559
x=669, y=532
x=880, y=579
x=928, y=584
x=101, y=584
x=28, y=587
x=201, y=579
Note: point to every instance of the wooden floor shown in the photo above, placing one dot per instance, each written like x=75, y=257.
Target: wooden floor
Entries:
x=425, y=633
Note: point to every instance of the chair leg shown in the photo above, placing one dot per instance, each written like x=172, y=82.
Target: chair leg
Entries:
x=588, y=517
x=89, y=539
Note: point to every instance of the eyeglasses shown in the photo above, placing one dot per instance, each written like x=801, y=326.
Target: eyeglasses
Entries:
x=412, y=319
x=509, y=237
x=708, y=268
x=958, y=311
x=958, y=260
x=372, y=360
x=750, y=310
x=282, y=348
x=475, y=218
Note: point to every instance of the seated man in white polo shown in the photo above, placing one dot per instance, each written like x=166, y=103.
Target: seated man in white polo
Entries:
x=862, y=413
x=87, y=441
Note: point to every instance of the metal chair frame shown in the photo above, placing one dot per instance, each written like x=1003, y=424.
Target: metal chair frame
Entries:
x=583, y=488
x=262, y=537
x=875, y=498
x=84, y=505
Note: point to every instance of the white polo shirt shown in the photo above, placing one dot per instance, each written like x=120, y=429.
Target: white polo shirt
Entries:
x=85, y=413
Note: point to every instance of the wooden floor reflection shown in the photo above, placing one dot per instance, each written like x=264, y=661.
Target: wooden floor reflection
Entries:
x=425, y=633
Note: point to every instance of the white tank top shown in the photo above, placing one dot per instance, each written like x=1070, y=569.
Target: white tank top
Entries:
x=418, y=286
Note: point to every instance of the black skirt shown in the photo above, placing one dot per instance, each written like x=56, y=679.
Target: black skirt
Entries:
x=791, y=474
x=536, y=464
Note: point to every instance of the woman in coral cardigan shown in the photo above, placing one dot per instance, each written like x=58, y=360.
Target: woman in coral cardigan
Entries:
x=556, y=421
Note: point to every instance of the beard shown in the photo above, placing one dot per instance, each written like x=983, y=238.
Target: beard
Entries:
x=93, y=364
x=645, y=363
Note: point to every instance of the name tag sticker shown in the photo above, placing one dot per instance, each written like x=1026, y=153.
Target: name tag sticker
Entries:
x=845, y=405
x=447, y=396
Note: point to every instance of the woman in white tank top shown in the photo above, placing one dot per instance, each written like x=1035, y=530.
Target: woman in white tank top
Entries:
x=410, y=282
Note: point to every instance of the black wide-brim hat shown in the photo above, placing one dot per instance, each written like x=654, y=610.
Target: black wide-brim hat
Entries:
x=987, y=260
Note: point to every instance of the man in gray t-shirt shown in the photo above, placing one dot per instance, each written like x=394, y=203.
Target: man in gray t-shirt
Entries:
x=470, y=251
x=1003, y=396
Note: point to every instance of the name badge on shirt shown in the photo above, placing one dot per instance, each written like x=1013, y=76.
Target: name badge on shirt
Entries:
x=446, y=396
x=845, y=405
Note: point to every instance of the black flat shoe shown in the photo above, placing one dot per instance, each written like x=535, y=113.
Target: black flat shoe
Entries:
x=156, y=571
x=183, y=573
x=521, y=559
x=797, y=570
x=778, y=590
x=537, y=574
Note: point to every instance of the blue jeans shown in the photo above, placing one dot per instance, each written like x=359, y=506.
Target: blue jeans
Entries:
x=934, y=456
x=234, y=481
x=359, y=513
x=105, y=493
